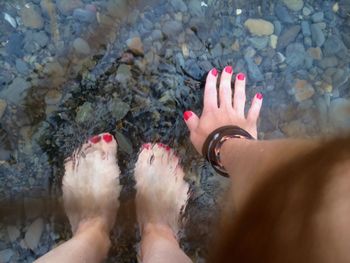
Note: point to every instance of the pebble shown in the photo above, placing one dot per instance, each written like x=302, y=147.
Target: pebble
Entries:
x=179, y=5
x=259, y=42
x=195, y=8
x=22, y=66
x=172, y=28
x=13, y=233
x=273, y=41
x=31, y=16
x=294, y=5
x=259, y=27
x=84, y=112
x=295, y=55
x=15, y=45
x=33, y=234
x=288, y=36
x=84, y=15
x=3, y=106
x=277, y=27
x=254, y=71
x=123, y=74
x=306, y=11
x=303, y=90
x=328, y=62
x=315, y=53
x=10, y=20
x=333, y=45
x=192, y=69
x=135, y=46
x=124, y=143
x=317, y=35
x=339, y=113
x=81, y=46
x=118, y=109
x=5, y=255
x=67, y=6
x=53, y=97
x=282, y=14
x=15, y=92
x=317, y=17
x=305, y=28
x=40, y=38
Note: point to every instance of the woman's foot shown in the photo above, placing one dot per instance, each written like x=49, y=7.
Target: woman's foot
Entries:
x=91, y=184
x=162, y=193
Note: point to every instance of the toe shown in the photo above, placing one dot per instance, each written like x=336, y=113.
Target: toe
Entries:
x=239, y=94
x=109, y=144
x=254, y=110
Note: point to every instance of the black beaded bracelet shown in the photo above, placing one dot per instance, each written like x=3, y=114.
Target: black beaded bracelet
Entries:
x=212, y=145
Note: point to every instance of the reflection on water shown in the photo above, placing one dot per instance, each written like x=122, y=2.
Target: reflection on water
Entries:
x=70, y=69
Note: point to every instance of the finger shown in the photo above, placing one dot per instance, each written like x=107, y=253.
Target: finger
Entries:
x=210, y=93
x=225, y=92
x=254, y=111
x=239, y=97
x=191, y=120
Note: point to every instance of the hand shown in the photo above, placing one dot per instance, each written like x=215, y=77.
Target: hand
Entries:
x=220, y=110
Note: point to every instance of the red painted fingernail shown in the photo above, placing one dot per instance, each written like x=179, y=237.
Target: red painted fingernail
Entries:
x=240, y=76
x=107, y=137
x=187, y=115
x=146, y=146
x=95, y=139
x=228, y=69
x=259, y=96
x=214, y=71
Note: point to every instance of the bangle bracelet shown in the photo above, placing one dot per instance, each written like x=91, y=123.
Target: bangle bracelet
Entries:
x=212, y=145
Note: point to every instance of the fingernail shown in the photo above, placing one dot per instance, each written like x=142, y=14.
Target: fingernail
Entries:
x=146, y=146
x=187, y=115
x=228, y=69
x=107, y=138
x=240, y=76
x=214, y=71
x=259, y=96
x=95, y=139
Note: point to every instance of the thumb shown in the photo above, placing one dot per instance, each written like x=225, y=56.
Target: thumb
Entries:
x=191, y=120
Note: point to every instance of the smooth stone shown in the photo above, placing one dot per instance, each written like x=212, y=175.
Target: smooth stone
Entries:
x=13, y=233
x=124, y=143
x=192, y=69
x=84, y=15
x=41, y=38
x=277, y=27
x=249, y=52
x=305, y=28
x=67, y=6
x=294, y=5
x=179, y=5
x=172, y=28
x=303, y=90
x=53, y=97
x=253, y=69
x=295, y=55
x=33, y=234
x=340, y=77
x=118, y=109
x=21, y=66
x=329, y=62
x=339, y=113
x=123, y=74
x=288, y=36
x=306, y=11
x=6, y=255
x=54, y=69
x=31, y=16
x=15, y=45
x=259, y=42
x=195, y=8
x=315, y=53
x=216, y=51
x=259, y=27
x=3, y=106
x=307, y=41
x=317, y=17
x=84, y=112
x=334, y=45
x=135, y=45
x=282, y=14
x=81, y=46
x=317, y=35
x=16, y=91
x=156, y=35
x=273, y=41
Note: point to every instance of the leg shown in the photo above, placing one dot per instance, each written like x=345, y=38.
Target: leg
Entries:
x=90, y=195
x=161, y=196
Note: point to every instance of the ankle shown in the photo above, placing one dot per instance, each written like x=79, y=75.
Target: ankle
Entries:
x=96, y=224
x=156, y=231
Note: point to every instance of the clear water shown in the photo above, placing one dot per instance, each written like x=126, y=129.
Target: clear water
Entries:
x=71, y=69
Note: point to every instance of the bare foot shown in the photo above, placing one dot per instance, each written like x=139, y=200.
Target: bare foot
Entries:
x=162, y=193
x=91, y=183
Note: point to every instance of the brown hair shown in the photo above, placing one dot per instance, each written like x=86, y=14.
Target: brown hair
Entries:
x=276, y=223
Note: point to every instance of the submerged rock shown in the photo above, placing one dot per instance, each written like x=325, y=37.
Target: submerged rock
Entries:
x=33, y=234
x=81, y=46
x=317, y=35
x=84, y=112
x=303, y=90
x=259, y=27
x=67, y=6
x=6, y=254
x=31, y=16
x=172, y=28
x=294, y=5
x=288, y=36
x=135, y=45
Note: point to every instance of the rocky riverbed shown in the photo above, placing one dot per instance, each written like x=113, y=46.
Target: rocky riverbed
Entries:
x=73, y=68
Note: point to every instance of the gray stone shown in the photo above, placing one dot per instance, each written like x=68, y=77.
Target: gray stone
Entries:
x=249, y=52
x=340, y=77
x=306, y=11
x=294, y=5
x=333, y=45
x=216, y=51
x=288, y=36
x=13, y=233
x=3, y=106
x=156, y=35
x=5, y=255
x=81, y=46
x=195, y=8
x=31, y=16
x=135, y=45
x=259, y=42
x=339, y=114
x=84, y=112
x=295, y=55
x=118, y=109
x=317, y=35
x=179, y=5
x=277, y=27
x=22, y=66
x=67, y=6
x=328, y=62
x=123, y=74
x=253, y=69
x=33, y=234
x=124, y=144
x=172, y=28
x=15, y=45
x=41, y=38
x=305, y=28
x=282, y=14
x=16, y=91
x=192, y=69
x=317, y=17
x=84, y=15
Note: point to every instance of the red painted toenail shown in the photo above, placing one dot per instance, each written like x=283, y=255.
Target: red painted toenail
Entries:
x=95, y=139
x=228, y=69
x=187, y=115
x=146, y=146
x=107, y=137
x=259, y=96
x=214, y=71
x=167, y=148
x=161, y=145
x=240, y=76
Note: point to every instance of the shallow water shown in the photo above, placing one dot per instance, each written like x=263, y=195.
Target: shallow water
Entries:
x=71, y=69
